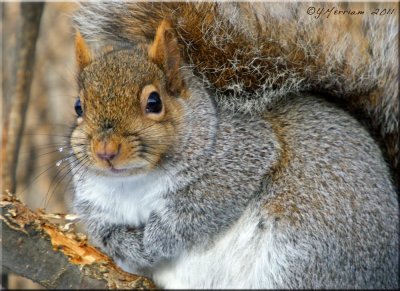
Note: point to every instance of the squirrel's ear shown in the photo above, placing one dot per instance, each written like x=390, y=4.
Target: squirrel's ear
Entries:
x=164, y=52
x=82, y=52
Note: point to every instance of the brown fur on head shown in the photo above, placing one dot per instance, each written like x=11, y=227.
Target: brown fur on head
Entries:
x=123, y=128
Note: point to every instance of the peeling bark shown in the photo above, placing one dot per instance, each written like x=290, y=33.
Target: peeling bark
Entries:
x=37, y=249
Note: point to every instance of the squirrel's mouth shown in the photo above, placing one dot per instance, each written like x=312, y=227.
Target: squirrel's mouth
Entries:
x=107, y=166
x=117, y=171
x=126, y=170
x=112, y=171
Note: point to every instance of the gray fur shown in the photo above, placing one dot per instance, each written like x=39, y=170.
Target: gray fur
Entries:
x=331, y=210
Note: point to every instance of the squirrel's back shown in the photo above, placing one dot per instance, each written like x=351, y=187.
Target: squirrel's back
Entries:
x=331, y=199
x=254, y=54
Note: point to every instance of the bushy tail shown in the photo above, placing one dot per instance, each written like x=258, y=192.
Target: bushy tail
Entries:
x=254, y=54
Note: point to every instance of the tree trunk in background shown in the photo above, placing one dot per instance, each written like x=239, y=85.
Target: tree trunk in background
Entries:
x=27, y=35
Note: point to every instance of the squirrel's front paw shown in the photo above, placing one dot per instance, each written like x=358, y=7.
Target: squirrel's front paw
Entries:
x=126, y=244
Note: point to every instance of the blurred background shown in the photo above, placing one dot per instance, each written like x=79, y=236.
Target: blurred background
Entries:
x=42, y=180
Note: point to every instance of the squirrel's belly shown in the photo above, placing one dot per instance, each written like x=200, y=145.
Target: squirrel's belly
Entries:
x=243, y=257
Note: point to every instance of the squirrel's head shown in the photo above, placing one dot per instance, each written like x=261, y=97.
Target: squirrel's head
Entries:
x=128, y=107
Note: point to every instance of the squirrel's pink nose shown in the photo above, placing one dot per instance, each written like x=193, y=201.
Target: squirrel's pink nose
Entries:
x=107, y=150
x=106, y=155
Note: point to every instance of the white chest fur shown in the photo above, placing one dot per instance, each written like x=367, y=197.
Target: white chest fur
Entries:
x=123, y=200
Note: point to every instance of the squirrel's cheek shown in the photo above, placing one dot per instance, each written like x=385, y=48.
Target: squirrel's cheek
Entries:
x=78, y=140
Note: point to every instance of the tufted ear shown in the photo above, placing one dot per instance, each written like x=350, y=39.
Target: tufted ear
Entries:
x=165, y=53
x=82, y=52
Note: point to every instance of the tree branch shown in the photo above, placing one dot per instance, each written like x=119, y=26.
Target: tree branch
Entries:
x=37, y=249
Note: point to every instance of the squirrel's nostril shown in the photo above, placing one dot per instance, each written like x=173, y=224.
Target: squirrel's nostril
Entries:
x=107, y=150
x=106, y=156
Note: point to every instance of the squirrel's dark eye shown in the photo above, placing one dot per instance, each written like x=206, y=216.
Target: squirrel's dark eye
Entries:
x=78, y=107
x=154, y=104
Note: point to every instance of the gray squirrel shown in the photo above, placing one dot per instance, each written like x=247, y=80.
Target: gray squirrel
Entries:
x=173, y=186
